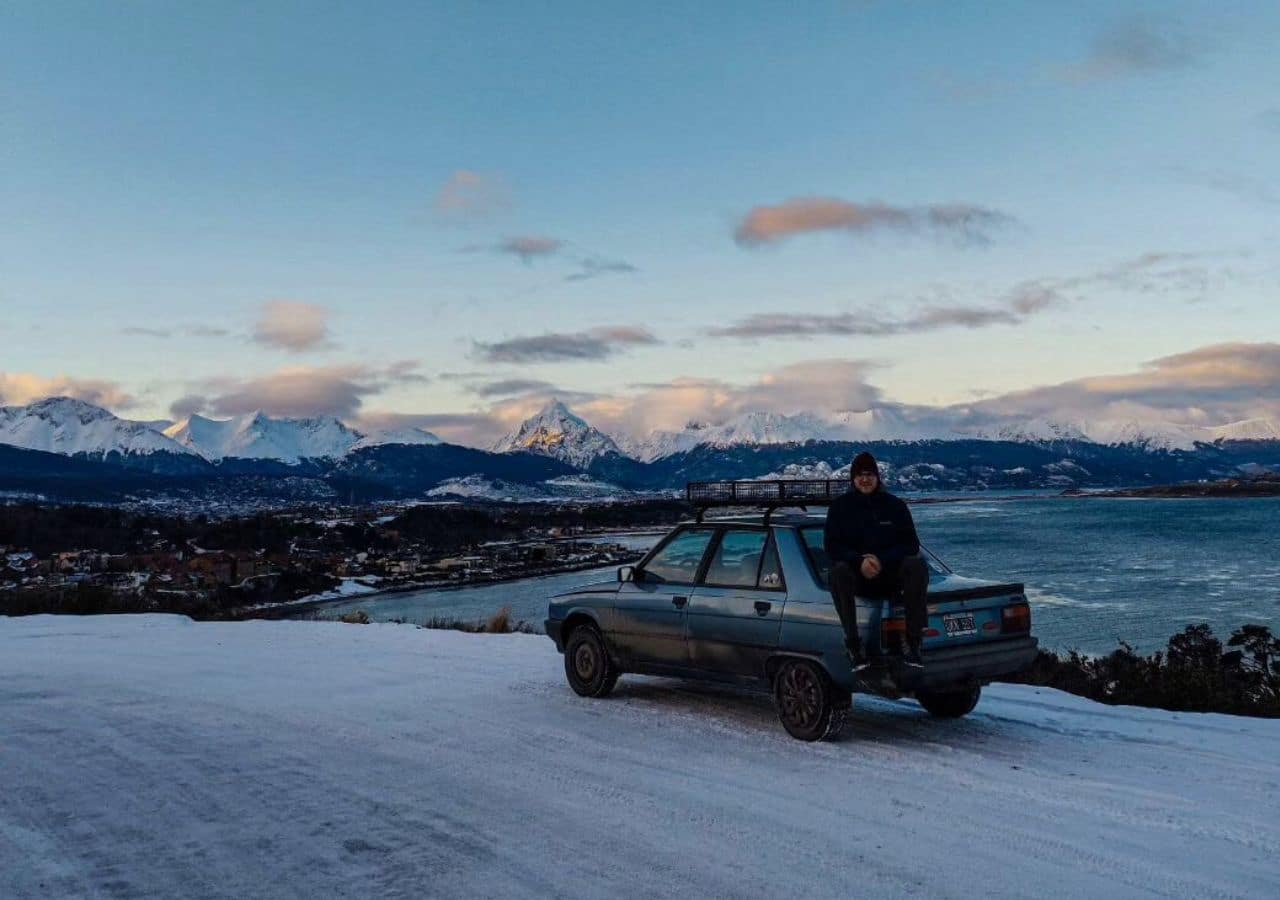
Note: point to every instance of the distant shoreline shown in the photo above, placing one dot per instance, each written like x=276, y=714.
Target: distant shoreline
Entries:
x=1228, y=488
x=287, y=609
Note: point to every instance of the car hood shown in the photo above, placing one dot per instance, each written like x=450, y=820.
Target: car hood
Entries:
x=595, y=587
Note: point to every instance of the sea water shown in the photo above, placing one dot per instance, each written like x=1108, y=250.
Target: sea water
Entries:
x=1097, y=570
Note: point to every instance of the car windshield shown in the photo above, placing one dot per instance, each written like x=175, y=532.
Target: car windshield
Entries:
x=821, y=565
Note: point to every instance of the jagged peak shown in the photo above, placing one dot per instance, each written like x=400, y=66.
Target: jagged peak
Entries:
x=556, y=431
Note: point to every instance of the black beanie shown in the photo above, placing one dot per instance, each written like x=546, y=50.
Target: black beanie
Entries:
x=864, y=462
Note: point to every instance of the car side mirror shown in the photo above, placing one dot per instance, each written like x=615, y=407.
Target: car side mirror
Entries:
x=628, y=573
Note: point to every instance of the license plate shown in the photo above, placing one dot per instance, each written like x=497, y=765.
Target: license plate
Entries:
x=959, y=624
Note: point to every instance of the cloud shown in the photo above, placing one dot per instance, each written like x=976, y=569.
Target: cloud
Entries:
x=1242, y=187
x=594, y=268
x=207, y=331
x=1210, y=385
x=18, y=388
x=338, y=390
x=468, y=196
x=530, y=247
x=826, y=384
x=203, y=331
x=805, y=215
x=476, y=429
x=1171, y=274
x=292, y=325
x=591, y=345
x=771, y=325
x=512, y=386
x=186, y=405
x=1134, y=46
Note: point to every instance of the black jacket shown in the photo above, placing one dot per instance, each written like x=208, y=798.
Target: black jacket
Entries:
x=878, y=523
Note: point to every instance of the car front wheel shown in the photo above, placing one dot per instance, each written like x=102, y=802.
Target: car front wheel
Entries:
x=810, y=706
x=950, y=704
x=587, y=665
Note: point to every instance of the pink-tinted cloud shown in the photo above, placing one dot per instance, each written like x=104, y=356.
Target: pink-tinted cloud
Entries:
x=18, y=388
x=338, y=390
x=530, y=247
x=823, y=384
x=1210, y=385
x=292, y=325
x=469, y=196
x=807, y=215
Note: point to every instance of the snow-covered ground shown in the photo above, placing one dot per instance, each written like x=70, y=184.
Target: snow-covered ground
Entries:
x=151, y=756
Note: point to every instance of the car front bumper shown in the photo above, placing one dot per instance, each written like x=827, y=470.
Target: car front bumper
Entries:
x=554, y=627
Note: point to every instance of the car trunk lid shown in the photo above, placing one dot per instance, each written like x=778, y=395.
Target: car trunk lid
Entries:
x=969, y=611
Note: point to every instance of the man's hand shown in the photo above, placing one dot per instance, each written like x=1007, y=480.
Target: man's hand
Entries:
x=870, y=567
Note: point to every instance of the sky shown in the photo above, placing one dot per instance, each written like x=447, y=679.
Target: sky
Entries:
x=444, y=214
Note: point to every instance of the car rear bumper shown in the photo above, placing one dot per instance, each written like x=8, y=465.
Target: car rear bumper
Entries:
x=955, y=667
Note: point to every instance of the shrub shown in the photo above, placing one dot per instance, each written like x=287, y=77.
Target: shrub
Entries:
x=1192, y=673
x=499, y=622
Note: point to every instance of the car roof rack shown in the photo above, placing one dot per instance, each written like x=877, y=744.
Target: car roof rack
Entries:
x=764, y=494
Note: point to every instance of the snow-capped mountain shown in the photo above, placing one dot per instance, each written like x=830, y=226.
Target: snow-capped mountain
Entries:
x=749, y=428
x=75, y=428
x=1109, y=432
x=565, y=487
x=395, y=436
x=556, y=432
x=1248, y=430
x=258, y=436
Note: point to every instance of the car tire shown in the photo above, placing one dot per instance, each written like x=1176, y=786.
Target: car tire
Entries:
x=810, y=707
x=950, y=704
x=587, y=666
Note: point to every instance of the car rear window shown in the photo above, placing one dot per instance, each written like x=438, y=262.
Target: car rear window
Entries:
x=817, y=553
x=822, y=565
x=736, y=560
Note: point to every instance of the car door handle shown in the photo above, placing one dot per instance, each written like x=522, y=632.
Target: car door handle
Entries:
x=763, y=606
x=679, y=602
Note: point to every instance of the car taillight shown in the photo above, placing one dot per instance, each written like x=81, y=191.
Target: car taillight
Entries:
x=1015, y=618
x=891, y=631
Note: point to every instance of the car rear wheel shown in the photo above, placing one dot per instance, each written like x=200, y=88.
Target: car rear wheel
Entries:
x=587, y=665
x=950, y=704
x=810, y=706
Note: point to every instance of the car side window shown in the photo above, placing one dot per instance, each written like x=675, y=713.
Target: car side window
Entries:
x=679, y=560
x=771, y=568
x=736, y=560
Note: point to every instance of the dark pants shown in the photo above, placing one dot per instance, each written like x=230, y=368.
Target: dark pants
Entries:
x=910, y=582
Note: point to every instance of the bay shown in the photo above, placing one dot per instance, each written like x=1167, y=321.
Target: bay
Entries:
x=1097, y=570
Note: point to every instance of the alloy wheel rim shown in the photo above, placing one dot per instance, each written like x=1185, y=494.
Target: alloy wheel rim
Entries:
x=584, y=662
x=800, y=697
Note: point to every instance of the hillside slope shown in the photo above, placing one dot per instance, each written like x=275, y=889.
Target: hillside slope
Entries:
x=295, y=759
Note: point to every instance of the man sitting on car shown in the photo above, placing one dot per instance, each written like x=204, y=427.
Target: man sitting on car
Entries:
x=871, y=541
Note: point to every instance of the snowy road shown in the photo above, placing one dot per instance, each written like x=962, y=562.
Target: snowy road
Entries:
x=155, y=757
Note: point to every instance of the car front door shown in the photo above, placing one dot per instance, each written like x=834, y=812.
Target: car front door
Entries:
x=648, y=622
x=736, y=610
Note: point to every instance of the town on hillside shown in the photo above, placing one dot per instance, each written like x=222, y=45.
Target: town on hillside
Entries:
x=97, y=559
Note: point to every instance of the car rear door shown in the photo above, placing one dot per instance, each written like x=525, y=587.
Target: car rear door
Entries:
x=648, y=621
x=736, y=609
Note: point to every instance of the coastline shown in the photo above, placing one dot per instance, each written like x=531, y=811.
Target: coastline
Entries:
x=308, y=604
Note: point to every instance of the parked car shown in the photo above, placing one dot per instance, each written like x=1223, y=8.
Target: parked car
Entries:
x=746, y=600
